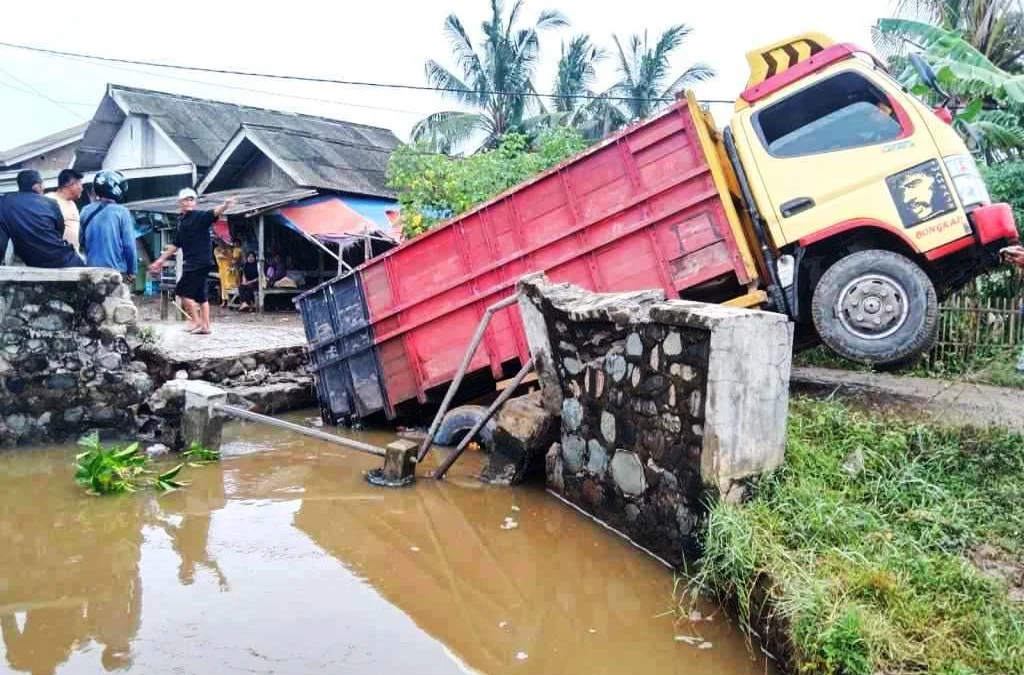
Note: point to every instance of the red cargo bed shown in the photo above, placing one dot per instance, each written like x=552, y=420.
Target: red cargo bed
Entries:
x=641, y=210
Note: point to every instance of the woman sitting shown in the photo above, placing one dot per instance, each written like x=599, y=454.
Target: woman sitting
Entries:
x=250, y=277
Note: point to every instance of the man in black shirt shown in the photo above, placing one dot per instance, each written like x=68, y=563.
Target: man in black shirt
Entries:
x=195, y=240
x=35, y=225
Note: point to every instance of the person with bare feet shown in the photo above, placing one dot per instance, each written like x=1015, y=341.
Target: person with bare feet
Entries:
x=194, y=238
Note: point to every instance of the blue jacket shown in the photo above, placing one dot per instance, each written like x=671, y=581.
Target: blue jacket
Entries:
x=35, y=226
x=108, y=239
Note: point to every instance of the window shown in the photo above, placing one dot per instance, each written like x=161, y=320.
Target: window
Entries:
x=845, y=111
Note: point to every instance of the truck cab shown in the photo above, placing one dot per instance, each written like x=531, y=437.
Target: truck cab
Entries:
x=867, y=205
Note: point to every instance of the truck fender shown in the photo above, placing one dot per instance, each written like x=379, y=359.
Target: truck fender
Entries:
x=853, y=224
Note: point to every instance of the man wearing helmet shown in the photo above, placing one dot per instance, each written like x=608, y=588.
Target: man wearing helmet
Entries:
x=194, y=238
x=107, y=229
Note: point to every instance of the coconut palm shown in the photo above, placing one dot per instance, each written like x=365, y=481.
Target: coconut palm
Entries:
x=645, y=72
x=496, y=81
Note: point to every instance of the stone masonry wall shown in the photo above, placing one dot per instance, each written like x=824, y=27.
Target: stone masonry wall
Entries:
x=66, y=339
x=653, y=417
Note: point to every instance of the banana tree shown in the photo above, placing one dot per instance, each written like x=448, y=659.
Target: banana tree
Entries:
x=985, y=101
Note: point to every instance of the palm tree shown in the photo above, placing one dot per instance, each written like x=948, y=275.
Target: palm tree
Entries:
x=644, y=72
x=496, y=79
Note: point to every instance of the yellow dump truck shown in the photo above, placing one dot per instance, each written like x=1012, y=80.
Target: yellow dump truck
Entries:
x=866, y=205
x=833, y=196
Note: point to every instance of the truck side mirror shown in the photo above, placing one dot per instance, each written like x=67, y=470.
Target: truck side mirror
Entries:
x=927, y=74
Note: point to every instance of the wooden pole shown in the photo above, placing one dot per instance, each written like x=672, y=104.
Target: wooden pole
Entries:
x=259, y=268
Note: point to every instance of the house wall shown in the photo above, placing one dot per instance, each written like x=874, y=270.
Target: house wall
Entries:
x=138, y=144
x=262, y=172
x=55, y=160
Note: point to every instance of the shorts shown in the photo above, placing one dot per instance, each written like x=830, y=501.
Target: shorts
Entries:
x=194, y=285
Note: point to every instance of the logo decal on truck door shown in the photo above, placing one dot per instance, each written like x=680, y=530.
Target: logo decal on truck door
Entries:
x=920, y=193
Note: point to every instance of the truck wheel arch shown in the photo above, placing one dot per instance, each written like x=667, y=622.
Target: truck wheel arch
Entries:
x=821, y=251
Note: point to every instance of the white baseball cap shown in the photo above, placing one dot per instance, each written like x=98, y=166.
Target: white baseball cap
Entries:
x=185, y=193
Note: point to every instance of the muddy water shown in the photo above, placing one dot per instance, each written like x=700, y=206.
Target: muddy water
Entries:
x=281, y=559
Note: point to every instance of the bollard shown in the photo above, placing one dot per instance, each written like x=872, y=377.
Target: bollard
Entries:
x=399, y=465
x=200, y=422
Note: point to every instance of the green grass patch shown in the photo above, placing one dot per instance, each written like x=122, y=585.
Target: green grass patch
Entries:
x=861, y=543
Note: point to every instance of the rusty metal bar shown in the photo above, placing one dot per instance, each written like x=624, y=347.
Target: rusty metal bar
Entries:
x=485, y=320
x=299, y=429
x=504, y=396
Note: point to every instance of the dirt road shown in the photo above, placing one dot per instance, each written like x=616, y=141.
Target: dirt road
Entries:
x=939, y=400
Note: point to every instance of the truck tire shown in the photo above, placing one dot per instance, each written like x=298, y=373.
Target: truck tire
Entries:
x=458, y=421
x=876, y=307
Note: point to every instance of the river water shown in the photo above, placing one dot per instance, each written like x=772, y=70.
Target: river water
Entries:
x=282, y=559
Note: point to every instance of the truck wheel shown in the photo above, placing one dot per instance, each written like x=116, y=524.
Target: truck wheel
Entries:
x=876, y=307
x=458, y=421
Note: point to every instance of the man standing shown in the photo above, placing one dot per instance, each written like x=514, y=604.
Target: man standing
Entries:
x=34, y=225
x=69, y=191
x=194, y=238
x=108, y=228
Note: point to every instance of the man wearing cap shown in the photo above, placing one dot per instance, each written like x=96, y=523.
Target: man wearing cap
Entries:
x=35, y=226
x=194, y=238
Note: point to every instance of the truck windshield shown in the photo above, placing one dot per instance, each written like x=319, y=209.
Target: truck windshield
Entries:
x=844, y=111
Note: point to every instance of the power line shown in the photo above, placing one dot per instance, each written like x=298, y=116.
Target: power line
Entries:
x=38, y=95
x=251, y=90
x=324, y=80
x=42, y=95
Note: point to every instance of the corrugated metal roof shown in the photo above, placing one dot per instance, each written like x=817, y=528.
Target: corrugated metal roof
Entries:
x=341, y=155
x=251, y=200
x=41, y=145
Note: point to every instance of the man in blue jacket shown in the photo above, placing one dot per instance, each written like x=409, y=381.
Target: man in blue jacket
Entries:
x=107, y=229
x=35, y=226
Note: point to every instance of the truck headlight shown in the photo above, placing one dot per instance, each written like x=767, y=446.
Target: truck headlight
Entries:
x=967, y=180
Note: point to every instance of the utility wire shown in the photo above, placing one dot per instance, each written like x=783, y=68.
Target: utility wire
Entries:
x=42, y=95
x=325, y=80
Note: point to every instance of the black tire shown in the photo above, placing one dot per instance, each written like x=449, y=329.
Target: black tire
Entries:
x=877, y=308
x=458, y=421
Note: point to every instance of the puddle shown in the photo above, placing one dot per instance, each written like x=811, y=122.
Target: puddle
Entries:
x=282, y=559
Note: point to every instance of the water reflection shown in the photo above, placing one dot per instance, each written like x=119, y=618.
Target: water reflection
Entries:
x=70, y=575
x=286, y=561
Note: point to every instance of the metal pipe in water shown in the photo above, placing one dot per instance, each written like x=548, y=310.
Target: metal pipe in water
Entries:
x=299, y=429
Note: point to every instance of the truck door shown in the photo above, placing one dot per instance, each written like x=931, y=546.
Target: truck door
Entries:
x=842, y=149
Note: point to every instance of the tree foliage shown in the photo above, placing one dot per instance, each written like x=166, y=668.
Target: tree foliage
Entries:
x=432, y=187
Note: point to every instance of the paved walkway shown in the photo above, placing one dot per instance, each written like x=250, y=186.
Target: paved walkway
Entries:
x=227, y=341
x=941, y=400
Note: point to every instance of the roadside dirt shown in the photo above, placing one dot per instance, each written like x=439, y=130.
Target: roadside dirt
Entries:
x=916, y=397
x=1002, y=566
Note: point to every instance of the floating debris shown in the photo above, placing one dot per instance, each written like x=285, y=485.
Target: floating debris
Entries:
x=414, y=549
x=705, y=645
x=522, y=656
x=696, y=617
x=515, y=508
x=502, y=624
x=689, y=639
x=509, y=524
x=591, y=631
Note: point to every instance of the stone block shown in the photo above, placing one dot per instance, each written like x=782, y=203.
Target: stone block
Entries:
x=523, y=432
x=400, y=460
x=200, y=421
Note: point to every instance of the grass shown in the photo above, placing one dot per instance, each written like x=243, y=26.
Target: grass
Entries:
x=866, y=570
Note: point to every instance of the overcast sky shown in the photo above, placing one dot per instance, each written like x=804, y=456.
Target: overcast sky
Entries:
x=370, y=40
